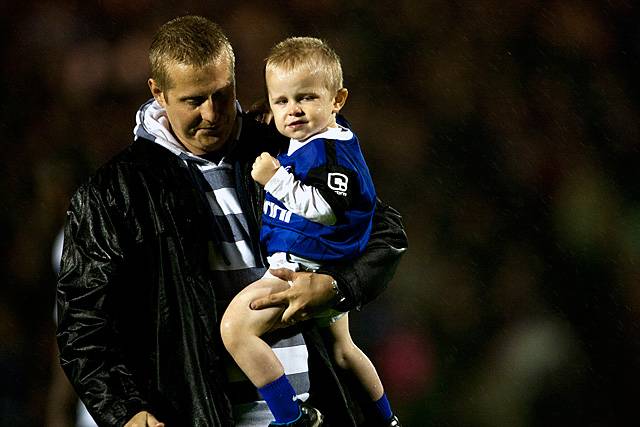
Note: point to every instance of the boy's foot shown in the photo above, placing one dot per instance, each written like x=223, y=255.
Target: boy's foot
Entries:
x=310, y=417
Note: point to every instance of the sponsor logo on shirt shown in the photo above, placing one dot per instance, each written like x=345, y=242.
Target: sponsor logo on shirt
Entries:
x=274, y=211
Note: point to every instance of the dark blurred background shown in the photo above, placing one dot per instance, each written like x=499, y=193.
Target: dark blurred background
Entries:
x=506, y=133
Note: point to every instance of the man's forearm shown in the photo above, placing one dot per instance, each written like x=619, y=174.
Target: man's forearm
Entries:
x=363, y=279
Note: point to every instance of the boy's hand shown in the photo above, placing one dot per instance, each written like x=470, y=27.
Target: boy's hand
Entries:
x=264, y=168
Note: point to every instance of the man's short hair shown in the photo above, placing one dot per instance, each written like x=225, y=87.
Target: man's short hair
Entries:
x=190, y=40
x=308, y=53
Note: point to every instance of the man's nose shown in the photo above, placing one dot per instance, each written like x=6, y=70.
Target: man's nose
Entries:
x=209, y=110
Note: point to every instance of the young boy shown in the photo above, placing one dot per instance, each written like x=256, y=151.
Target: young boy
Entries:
x=318, y=208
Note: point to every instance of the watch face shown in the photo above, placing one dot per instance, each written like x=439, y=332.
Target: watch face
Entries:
x=339, y=296
x=334, y=288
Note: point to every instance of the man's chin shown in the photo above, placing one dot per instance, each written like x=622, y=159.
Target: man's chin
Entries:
x=211, y=143
x=200, y=145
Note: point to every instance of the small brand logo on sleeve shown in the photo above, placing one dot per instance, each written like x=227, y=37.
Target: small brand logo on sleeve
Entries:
x=338, y=182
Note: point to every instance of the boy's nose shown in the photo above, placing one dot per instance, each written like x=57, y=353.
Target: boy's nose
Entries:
x=295, y=110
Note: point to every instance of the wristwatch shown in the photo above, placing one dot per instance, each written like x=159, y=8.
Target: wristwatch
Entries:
x=338, y=297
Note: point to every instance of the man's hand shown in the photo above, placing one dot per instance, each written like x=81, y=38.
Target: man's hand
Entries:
x=309, y=294
x=143, y=419
x=264, y=168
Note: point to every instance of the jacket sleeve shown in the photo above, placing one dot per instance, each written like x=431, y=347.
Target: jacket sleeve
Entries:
x=88, y=342
x=363, y=279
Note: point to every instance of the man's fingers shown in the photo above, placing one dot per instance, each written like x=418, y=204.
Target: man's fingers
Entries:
x=284, y=274
x=271, y=300
x=295, y=313
x=143, y=419
x=138, y=420
x=287, y=316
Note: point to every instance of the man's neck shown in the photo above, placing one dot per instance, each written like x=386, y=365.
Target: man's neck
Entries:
x=216, y=156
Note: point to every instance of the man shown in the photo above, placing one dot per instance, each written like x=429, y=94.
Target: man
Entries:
x=161, y=238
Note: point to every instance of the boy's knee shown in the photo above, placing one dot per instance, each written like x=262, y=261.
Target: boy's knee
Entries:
x=227, y=331
x=231, y=327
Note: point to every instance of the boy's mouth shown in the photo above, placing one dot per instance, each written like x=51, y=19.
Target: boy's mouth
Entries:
x=297, y=123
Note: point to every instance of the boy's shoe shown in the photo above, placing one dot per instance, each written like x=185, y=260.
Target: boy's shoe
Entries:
x=393, y=422
x=311, y=417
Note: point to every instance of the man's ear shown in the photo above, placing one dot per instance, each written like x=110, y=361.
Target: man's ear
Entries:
x=340, y=99
x=157, y=93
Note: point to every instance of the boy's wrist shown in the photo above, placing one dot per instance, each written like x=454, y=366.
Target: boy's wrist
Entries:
x=275, y=182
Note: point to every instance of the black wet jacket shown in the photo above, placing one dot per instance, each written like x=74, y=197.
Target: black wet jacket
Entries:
x=136, y=302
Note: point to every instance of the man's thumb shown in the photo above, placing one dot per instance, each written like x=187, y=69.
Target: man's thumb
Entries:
x=283, y=273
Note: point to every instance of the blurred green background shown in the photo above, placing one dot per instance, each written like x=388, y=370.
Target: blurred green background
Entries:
x=506, y=133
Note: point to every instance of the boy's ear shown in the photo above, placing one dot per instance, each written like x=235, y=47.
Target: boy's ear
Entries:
x=157, y=93
x=340, y=99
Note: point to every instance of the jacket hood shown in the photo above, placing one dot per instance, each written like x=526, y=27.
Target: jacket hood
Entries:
x=152, y=123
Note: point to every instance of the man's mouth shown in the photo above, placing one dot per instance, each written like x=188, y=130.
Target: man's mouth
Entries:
x=209, y=129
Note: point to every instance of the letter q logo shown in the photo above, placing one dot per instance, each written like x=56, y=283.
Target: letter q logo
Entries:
x=338, y=182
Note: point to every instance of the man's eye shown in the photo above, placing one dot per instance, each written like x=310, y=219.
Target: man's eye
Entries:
x=308, y=98
x=280, y=101
x=219, y=96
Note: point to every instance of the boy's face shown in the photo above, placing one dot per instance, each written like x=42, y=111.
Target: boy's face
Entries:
x=302, y=105
x=200, y=105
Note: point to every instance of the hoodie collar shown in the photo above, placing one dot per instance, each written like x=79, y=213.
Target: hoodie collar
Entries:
x=152, y=123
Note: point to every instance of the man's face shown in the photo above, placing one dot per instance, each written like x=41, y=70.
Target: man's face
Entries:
x=200, y=104
x=302, y=106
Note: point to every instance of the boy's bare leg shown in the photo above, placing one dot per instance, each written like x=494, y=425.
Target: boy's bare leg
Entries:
x=241, y=329
x=348, y=356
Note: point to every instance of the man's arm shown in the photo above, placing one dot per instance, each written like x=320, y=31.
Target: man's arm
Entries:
x=359, y=280
x=363, y=279
x=89, y=350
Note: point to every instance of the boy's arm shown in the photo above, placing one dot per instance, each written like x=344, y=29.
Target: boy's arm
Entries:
x=327, y=192
x=299, y=198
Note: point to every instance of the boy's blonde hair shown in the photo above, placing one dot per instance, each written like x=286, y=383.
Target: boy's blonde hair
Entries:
x=307, y=53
